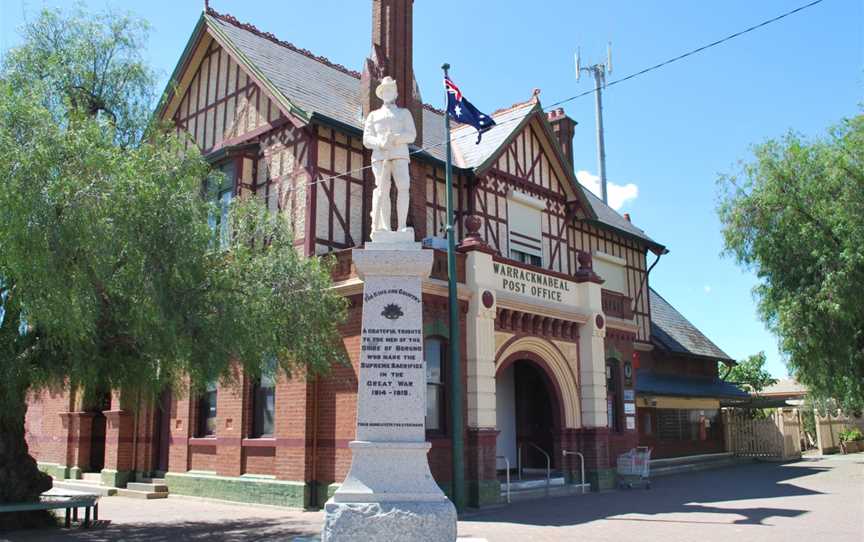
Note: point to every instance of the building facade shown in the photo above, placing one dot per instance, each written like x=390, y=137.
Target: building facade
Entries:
x=555, y=308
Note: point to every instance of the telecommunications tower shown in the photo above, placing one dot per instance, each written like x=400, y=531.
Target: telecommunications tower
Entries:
x=599, y=71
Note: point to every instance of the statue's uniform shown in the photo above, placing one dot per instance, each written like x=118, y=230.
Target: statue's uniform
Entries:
x=389, y=158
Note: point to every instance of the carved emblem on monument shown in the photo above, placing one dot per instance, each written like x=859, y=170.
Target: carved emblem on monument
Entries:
x=392, y=312
x=387, y=132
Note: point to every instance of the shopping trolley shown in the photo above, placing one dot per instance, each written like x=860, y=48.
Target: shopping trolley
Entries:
x=633, y=468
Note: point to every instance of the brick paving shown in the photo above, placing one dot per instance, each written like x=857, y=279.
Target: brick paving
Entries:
x=814, y=499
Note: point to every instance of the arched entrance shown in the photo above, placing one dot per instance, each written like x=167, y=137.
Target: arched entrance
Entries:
x=528, y=412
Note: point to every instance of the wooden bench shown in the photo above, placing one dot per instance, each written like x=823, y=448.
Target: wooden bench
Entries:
x=59, y=501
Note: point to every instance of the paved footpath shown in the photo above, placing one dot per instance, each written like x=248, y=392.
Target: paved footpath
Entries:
x=817, y=500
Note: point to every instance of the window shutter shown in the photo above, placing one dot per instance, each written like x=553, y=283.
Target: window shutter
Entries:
x=524, y=224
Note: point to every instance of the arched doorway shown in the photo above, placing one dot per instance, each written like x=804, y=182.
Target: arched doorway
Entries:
x=528, y=413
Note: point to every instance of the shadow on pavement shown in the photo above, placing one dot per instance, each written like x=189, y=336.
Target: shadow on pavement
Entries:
x=680, y=494
x=238, y=530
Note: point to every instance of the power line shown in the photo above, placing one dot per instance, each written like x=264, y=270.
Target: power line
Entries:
x=591, y=91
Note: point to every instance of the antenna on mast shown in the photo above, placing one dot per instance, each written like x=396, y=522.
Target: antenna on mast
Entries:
x=599, y=72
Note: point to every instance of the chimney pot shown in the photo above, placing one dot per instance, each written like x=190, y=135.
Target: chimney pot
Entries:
x=627, y=216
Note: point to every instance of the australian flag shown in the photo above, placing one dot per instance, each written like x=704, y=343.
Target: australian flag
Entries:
x=461, y=110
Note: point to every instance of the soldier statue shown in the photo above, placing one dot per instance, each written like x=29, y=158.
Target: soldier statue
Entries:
x=388, y=131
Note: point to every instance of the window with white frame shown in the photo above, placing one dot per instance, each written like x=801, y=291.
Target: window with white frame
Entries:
x=525, y=235
x=220, y=190
x=612, y=270
x=434, y=351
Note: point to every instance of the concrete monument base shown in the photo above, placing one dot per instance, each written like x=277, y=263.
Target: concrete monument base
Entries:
x=389, y=493
x=390, y=521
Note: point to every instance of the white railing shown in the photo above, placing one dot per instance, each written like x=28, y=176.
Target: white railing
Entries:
x=581, y=468
x=507, y=467
x=548, y=463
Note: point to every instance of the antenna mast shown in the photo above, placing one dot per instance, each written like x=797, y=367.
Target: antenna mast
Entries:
x=599, y=72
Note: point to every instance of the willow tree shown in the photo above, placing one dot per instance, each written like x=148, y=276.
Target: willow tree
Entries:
x=111, y=276
x=795, y=216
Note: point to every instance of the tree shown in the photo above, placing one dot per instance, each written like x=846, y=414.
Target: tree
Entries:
x=110, y=276
x=750, y=374
x=795, y=217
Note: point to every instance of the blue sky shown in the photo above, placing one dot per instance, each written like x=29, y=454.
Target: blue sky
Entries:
x=669, y=132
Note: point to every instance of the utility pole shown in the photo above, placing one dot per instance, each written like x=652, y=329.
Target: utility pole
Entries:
x=599, y=72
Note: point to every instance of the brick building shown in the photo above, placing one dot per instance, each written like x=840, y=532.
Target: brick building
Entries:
x=553, y=285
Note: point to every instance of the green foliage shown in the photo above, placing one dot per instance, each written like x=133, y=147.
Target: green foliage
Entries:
x=795, y=217
x=111, y=276
x=750, y=374
x=86, y=64
x=851, y=434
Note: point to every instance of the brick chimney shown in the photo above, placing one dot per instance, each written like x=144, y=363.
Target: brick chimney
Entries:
x=563, y=127
x=392, y=54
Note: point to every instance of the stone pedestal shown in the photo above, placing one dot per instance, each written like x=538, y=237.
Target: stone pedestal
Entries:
x=389, y=493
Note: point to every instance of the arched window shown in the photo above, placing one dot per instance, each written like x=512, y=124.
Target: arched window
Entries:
x=434, y=350
x=207, y=410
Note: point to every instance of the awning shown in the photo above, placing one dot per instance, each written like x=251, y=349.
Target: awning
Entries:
x=651, y=383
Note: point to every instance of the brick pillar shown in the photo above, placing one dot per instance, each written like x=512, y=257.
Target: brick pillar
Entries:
x=79, y=426
x=119, y=430
x=230, y=428
x=481, y=477
x=291, y=426
x=180, y=430
x=144, y=442
x=593, y=443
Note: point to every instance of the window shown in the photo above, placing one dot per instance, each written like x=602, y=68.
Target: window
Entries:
x=220, y=190
x=612, y=395
x=207, y=411
x=433, y=350
x=680, y=424
x=613, y=271
x=263, y=406
x=524, y=257
x=526, y=238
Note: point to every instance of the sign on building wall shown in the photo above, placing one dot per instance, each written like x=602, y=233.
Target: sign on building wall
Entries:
x=536, y=286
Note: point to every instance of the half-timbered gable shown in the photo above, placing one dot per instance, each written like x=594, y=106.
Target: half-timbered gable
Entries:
x=342, y=203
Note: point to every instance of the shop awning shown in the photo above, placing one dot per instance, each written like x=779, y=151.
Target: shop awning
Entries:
x=650, y=383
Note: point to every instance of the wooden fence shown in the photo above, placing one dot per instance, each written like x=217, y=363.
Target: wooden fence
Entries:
x=777, y=436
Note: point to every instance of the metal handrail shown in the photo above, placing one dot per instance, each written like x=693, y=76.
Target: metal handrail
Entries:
x=507, y=466
x=581, y=467
x=548, y=463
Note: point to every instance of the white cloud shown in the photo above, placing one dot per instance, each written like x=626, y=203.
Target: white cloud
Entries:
x=618, y=194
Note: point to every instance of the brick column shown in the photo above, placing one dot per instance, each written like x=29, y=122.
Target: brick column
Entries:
x=481, y=478
x=118, y=446
x=229, y=429
x=180, y=430
x=593, y=443
x=79, y=426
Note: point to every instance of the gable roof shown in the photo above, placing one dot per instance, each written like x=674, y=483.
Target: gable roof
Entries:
x=310, y=87
x=672, y=332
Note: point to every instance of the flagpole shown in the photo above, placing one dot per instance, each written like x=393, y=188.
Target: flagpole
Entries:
x=456, y=425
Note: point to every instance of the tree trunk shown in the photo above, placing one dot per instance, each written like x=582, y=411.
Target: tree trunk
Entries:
x=20, y=479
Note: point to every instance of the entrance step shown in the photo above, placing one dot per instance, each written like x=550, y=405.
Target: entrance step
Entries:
x=151, y=487
x=92, y=477
x=536, y=489
x=85, y=487
x=693, y=463
x=138, y=494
